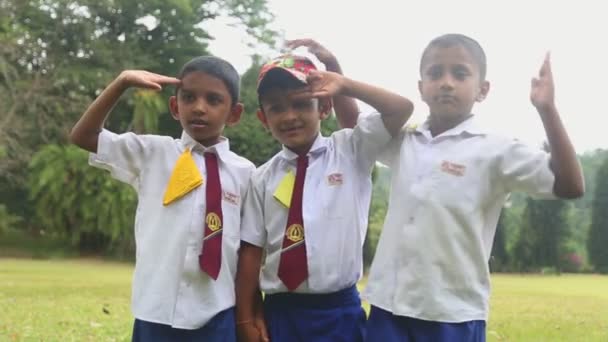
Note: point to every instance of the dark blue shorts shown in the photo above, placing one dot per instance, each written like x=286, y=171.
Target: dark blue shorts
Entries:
x=220, y=328
x=383, y=326
x=333, y=317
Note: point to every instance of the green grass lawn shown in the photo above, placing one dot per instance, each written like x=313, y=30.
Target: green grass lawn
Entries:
x=89, y=301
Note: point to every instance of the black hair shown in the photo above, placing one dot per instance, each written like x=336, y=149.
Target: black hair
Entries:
x=217, y=68
x=468, y=43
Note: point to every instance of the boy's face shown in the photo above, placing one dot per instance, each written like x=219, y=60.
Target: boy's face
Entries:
x=204, y=107
x=294, y=120
x=451, y=83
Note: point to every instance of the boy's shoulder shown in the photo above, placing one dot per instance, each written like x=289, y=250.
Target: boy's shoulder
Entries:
x=145, y=141
x=265, y=170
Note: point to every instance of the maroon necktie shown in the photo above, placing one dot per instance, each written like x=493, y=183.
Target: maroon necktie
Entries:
x=210, y=259
x=293, y=268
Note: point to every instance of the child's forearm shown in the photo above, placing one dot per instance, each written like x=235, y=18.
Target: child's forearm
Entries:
x=347, y=111
x=86, y=131
x=569, y=181
x=395, y=109
x=248, y=295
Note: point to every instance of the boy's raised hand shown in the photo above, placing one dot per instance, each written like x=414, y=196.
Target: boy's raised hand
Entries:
x=324, y=55
x=145, y=79
x=542, y=93
x=324, y=84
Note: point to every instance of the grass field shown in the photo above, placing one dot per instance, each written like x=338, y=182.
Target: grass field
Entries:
x=89, y=301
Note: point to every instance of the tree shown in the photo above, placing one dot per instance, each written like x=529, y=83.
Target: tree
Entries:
x=56, y=56
x=500, y=258
x=598, y=233
x=378, y=208
x=79, y=203
x=543, y=235
x=249, y=138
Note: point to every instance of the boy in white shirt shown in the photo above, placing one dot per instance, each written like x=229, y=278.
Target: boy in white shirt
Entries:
x=429, y=280
x=190, y=192
x=307, y=207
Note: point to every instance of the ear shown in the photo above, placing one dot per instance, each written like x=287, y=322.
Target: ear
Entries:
x=483, y=91
x=262, y=118
x=235, y=115
x=420, y=88
x=173, y=107
x=324, y=108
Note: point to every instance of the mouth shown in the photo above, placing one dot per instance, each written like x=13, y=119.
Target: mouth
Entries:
x=446, y=99
x=291, y=130
x=198, y=123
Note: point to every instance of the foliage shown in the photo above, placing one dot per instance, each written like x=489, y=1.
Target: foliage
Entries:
x=543, y=235
x=80, y=203
x=499, y=258
x=56, y=57
x=598, y=234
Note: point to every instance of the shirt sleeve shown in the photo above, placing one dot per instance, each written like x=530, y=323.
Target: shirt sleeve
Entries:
x=367, y=140
x=121, y=154
x=252, y=224
x=528, y=170
x=389, y=154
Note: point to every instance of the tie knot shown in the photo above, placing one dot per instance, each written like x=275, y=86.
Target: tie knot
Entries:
x=302, y=161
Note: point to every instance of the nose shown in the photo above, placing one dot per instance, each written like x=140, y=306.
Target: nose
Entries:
x=447, y=82
x=200, y=106
x=290, y=115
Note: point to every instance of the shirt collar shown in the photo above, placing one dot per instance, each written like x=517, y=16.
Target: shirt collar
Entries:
x=467, y=126
x=318, y=146
x=221, y=148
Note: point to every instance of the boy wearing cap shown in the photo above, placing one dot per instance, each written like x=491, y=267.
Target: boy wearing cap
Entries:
x=306, y=208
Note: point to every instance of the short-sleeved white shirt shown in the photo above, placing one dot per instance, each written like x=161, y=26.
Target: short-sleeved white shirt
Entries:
x=336, y=199
x=168, y=285
x=447, y=192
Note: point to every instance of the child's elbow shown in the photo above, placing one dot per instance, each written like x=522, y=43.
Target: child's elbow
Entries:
x=76, y=138
x=578, y=191
x=73, y=137
x=573, y=191
x=88, y=143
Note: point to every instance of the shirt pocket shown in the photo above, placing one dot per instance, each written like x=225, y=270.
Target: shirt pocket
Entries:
x=454, y=191
x=336, y=196
x=231, y=212
x=231, y=235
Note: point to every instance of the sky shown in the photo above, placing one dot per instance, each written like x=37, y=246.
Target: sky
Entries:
x=380, y=42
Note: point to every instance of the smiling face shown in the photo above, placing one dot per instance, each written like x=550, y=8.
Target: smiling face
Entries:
x=293, y=120
x=203, y=106
x=451, y=82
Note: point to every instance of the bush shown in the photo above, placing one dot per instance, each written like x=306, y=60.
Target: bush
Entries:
x=79, y=203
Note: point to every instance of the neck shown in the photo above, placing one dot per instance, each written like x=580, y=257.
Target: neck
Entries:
x=439, y=124
x=303, y=149
x=210, y=141
x=300, y=150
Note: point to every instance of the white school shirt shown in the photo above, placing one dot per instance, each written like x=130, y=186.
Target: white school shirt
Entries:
x=336, y=199
x=447, y=192
x=168, y=285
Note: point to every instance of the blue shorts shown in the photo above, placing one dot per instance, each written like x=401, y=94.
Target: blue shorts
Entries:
x=333, y=317
x=220, y=328
x=385, y=327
